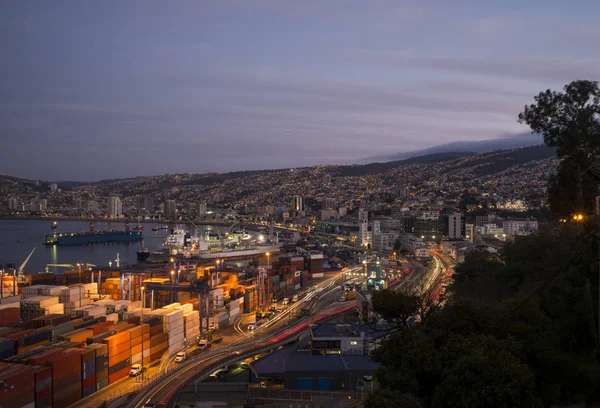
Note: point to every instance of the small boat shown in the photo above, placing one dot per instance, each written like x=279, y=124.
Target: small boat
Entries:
x=143, y=253
x=139, y=228
x=164, y=227
x=155, y=228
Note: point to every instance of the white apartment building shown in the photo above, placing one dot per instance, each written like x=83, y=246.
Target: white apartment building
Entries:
x=520, y=226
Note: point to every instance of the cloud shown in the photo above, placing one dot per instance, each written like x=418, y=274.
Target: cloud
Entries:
x=531, y=69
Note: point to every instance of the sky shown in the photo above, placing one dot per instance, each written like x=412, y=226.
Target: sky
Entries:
x=92, y=90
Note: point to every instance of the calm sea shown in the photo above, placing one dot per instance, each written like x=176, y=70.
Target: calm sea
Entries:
x=18, y=237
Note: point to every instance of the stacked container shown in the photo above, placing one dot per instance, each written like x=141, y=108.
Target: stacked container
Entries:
x=119, y=355
x=37, y=306
x=101, y=364
x=90, y=311
x=159, y=343
x=20, y=386
x=38, y=338
x=250, y=299
x=191, y=325
x=43, y=386
x=140, y=344
x=66, y=377
x=10, y=316
x=173, y=325
x=73, y=298
x=88, y=372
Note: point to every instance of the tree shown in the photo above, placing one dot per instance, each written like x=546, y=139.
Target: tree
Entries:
x=569, y=121
x=392, y=399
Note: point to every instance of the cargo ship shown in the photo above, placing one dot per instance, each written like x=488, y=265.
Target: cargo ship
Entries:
x=91, y=237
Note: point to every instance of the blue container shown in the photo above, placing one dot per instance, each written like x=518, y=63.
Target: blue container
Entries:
x=7, y=345
x=152, y=321
x=6, y=354
x=89, y=368
x=86, y=324
x=86, y=392
x=35, y=338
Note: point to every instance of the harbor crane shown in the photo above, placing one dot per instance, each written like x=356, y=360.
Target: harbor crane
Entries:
x=22, y=267
x=17, y=274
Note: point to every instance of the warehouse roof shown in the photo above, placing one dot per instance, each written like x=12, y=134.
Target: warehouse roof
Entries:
x=292, y=359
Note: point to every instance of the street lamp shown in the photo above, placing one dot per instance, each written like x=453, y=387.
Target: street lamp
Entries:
x=80, y=287
x=142, y=322
x=268, y=254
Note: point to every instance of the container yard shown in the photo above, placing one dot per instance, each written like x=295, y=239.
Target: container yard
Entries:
x=64, y=337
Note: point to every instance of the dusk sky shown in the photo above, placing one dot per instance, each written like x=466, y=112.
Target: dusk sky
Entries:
x=92, y=90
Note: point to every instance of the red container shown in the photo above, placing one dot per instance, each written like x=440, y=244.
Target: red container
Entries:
x=20, y=388
x=11, y=315
x=48, y=354
x=67, y=395
x=99, y=327
x=118, y=375
x=65, y=365
x=88, y=382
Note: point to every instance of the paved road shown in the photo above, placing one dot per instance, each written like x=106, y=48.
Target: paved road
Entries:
x=322, y=294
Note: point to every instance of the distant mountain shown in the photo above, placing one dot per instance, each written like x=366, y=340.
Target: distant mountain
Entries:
x=374, y=168
x=477, y=146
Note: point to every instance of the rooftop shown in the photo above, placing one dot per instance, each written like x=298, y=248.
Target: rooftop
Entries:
x=292, y=359
x=336, y=330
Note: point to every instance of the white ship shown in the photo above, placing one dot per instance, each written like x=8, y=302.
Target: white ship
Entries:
x=238, y=244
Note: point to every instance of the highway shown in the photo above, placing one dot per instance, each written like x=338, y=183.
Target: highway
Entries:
x=320, y=297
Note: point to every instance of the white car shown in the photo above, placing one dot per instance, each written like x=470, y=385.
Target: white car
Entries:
x=180, y=357
x=252, y=326
x=136, y=370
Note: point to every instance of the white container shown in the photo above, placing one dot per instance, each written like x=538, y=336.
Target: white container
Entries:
x=185, y=308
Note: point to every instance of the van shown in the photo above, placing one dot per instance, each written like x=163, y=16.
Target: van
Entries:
x=180, y=357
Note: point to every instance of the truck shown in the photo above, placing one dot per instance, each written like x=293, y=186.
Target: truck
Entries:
x=203, y=344
x=208, y=339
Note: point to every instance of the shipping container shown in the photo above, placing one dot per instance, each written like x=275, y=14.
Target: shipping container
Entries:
x=118, y=375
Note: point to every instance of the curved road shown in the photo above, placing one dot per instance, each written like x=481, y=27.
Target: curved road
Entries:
x=276, y=331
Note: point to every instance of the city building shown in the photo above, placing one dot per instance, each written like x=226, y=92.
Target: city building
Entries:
x=201, y=210
x=299, y=369
x=329, y=204
x=524, y=226
x=342, y=211
x=298, y=203
x=456, y=226
x=144, y=203
x=91, y=207
x=384, y=240
x=470, y=232
x=170, y=210
x=115, y=207
x=53, y=187
x=333, y=338
x=13, y=204
x=427, y=226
